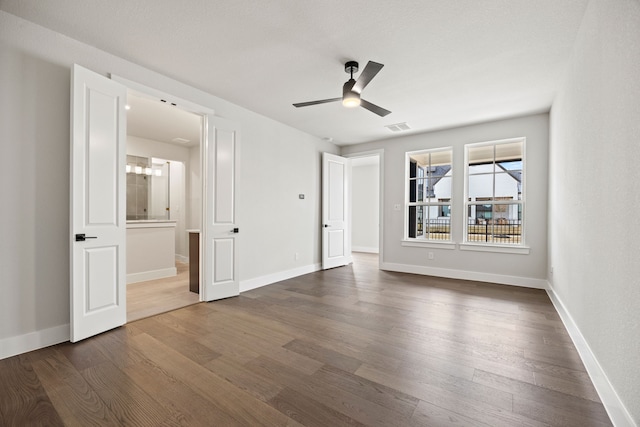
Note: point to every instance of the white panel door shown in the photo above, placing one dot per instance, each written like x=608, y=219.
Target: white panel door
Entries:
x=98, y=224
x=336, y=236
x=220, y=228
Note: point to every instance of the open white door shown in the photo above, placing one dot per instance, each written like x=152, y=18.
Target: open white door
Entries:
x=219, y=245
x=336, y=237
x=98, y=224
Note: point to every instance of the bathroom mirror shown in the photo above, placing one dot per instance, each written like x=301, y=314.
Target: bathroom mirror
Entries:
x=147, y=189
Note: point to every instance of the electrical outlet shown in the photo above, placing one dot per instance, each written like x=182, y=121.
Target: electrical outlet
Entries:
x=297, y=256
x=430, y=255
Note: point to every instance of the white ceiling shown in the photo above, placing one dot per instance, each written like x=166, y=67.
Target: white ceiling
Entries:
x=447, y=62
x=158, y=121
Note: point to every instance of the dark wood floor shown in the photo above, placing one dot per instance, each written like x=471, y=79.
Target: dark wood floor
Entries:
x=348, y=346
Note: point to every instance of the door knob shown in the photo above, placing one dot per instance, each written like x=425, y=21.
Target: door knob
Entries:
x=82, y=237
x=326, y=225
x=235, y=230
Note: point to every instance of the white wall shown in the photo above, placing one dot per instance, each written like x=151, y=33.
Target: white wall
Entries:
x=365, y=204
x=594, y=222
x=276, y=163
x=520, y=269
x=179, y=209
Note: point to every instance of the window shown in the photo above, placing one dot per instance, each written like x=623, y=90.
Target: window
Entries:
x=495, y=199
x=428, y=198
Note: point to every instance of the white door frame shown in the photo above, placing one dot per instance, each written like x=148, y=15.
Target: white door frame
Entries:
x=381, y=201
x=145, y=91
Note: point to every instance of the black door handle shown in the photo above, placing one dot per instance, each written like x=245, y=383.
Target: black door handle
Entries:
x=82, y=237
x=236, y=230
x=326, y=225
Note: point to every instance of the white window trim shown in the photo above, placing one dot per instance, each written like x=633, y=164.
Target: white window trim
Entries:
x=409, y=241
x=423, y=243
x=493, y=247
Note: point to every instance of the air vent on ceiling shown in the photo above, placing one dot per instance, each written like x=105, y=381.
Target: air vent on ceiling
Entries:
x=180, y=140
x=398, y=127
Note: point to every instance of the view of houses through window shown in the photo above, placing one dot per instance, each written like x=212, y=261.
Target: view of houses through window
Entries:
x=429, y=198
x=494, y=174
x=493, y=199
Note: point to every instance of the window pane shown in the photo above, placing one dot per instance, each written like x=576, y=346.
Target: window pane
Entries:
x=480, y=168
x=420, y=189
x=439, y=188
x=482, y=154
x=495, y=223
x=481, y=186
x=439, y=228
x=511, y=151
x=507, y=185
x=429, y=184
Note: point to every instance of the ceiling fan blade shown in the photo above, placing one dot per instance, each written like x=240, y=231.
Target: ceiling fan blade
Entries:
x=374, y=108
x=367, y=75
x=322, y=101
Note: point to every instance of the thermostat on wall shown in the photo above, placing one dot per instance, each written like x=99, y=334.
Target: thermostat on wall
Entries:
x=300, y=196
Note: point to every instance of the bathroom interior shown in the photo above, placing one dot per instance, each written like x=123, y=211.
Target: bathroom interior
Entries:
x=163, y=206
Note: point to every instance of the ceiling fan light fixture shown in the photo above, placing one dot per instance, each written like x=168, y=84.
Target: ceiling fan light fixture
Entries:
x=351, y=99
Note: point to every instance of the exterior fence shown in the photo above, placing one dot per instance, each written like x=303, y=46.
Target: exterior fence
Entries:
x=495, y=231
x=502, y=231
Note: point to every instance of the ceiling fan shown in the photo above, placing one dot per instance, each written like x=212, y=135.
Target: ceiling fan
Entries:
x=352, y=89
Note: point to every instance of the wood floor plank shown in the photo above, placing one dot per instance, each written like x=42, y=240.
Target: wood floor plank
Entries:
x=430, y=415
x=385, y=396
x=324, y=355
x=352, y=346
x=548, y=399
x=145, y=299
x=450, y=400
x=187, y=405
x=230, y=400
x=310, y=412
x=23, y=400
x=72, y=396
x=128, y=402
x=349, y=404
x=259, y=387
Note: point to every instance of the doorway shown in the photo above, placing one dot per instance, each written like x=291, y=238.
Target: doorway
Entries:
x=366, y=204
x=163, y=204
x=98, y=202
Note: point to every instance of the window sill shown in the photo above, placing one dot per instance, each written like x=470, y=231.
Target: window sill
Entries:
x=523, y=250
x=428, y=244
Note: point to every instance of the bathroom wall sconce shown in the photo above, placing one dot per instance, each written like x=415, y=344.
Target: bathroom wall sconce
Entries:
x=158, y=172
x=138, y=170
x=128, y=168
x=148, y=171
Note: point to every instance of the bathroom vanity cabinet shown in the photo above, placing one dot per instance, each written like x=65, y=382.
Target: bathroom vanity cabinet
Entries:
x=151, y=250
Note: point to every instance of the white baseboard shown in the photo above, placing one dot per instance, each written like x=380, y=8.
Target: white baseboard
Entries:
x=247, y=285
x=182, y=258
x=151, y=275
x=33, y=341
x=525, y=282
x=618, y=413
x=365, y=249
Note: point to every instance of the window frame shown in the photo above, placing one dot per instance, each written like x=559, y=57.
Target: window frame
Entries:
x=520, y=247
x=422, y=241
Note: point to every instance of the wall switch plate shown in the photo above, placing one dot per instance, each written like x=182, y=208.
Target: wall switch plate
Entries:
x=430, y=255
x=396, y=207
